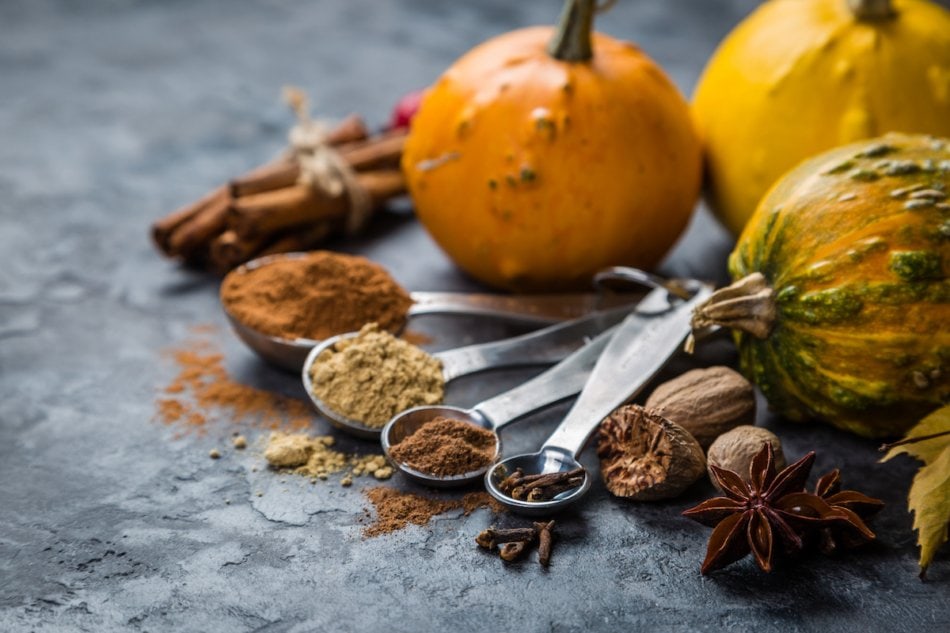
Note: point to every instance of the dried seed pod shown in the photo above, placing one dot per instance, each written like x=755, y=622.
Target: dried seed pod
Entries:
x=734, y=450
x=706, y=402
x=645, y=456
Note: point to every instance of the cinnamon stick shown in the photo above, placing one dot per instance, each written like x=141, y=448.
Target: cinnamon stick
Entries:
x=266, y=210
x=383, y=184
x=269, y=212
x=198, y=230
x=284, y=172
x=163, y=229
x=229, y=250
x=276, y=175
x=272, y=211
x=351, y=128
x=382, y=151
x=301, y=239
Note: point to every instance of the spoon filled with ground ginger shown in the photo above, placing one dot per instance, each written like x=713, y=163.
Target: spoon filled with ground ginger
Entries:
x=360, y=380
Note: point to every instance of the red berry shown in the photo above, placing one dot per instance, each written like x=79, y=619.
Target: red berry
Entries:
x=405, y=109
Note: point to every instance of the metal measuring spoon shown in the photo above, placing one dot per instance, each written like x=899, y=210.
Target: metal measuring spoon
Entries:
x=642, y=345
x=541, y=347
x=676, y=287
x=561, y=381
x=558, y=383
x=540, y=309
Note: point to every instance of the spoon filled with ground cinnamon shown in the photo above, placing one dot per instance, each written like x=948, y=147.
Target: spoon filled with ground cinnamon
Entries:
x=281, y=306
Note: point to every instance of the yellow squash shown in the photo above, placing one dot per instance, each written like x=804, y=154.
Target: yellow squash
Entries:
x=841, y=305
x=801, y=76
x=545, y=154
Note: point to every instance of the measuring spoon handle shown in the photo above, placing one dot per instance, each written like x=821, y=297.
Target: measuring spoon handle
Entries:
x=642, y=345
x=564, y=380
x=550, y=345
x=552, y=308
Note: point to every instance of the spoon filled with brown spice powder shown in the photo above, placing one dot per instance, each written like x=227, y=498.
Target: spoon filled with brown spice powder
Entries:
x=445, y=446
x=281, y=306
x=360, y=380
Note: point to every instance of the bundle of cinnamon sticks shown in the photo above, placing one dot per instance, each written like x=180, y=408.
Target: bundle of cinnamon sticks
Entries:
x=268, y=210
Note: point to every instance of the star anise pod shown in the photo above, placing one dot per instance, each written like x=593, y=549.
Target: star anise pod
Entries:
x=854, y=505
x=748, y=518
x=752, y=514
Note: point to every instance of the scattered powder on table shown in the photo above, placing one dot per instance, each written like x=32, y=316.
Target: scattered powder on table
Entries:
x=416, y=338
x=446, y=447
x=202, y=389
x=373, y=376
x=316, y=296
x=396, y=510
x=313, y=456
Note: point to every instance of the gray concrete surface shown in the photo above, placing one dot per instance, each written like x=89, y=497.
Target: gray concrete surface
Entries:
x=114, y=112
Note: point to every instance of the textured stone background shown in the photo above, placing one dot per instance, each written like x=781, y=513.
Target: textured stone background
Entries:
x=114, y=112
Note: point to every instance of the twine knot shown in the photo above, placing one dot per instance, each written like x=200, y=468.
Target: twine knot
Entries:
x=321, y=166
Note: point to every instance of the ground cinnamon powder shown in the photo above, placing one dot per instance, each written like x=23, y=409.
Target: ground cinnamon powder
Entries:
x=397, y=510
x=202, y=389
x=315, y=296
x=446, y=447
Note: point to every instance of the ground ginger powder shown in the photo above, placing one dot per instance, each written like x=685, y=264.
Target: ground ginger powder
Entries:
x=313, y=456
x=373, y=376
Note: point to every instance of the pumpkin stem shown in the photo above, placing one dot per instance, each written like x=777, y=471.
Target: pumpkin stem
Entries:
x=747, y=305
x=572, y=40
x=872, y=9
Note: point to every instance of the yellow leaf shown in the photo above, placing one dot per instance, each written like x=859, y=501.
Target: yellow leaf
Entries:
x=930, y=500
x=925, y=450
x=929, y=497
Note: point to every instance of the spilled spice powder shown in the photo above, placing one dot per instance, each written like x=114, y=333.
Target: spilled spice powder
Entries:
x=315, y=296
x=203, y=390
x=397, y=510
x=444, y=447
x=312, y=456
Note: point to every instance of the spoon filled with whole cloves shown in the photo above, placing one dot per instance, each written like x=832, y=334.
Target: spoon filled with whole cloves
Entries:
x=552, y=478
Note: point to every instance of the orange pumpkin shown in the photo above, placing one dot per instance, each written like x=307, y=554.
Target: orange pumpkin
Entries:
x=545, y=154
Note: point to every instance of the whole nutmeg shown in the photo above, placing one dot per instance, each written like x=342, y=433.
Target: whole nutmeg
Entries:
x=706, y=402
x=644, y=456
x=734, y=450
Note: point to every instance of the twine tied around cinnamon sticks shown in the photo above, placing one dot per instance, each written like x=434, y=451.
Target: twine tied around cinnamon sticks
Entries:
x=321, y=166
x=330, y=180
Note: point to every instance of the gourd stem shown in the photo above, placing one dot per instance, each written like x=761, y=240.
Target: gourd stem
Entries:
x=572, y=40
x=748, y=305
x=872, y=9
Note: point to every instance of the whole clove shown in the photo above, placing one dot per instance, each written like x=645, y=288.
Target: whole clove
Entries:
x=493, y=536
x=515, y=542
x=545, y=536
x=513, y=551
x=541, y=487
x=547, y=493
